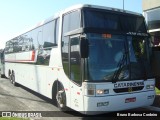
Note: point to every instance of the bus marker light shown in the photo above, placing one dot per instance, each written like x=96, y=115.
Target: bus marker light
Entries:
x=128, y=100
x=106, y=35
x=33, y=55
x=66, y=89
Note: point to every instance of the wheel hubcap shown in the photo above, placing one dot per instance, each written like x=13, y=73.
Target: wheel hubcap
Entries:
x=59, y=98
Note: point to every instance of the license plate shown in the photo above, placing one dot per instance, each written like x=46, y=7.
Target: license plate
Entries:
x=128, y=100
x=102, y=104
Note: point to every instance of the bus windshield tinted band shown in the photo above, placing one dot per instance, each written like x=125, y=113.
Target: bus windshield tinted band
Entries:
x=117, y=22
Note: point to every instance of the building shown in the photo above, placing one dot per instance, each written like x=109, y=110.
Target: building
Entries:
x=151, y=12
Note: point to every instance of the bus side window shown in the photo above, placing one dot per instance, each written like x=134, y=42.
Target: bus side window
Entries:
x=75, y=60
x=49, y=34
x=65, y=55
x=36, y=37
x=56, y=31
x=71, y=21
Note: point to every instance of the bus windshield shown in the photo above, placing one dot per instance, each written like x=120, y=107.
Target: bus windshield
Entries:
x=117, y=57
x=100, y=20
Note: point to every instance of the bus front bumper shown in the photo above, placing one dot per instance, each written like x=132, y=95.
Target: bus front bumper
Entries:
x=98, y=105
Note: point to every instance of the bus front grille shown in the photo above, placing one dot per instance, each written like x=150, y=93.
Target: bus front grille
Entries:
x=128, y=89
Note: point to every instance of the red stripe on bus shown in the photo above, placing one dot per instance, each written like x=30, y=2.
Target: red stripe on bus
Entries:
x=31, y=60
x=19, y=61
x=33, y=55
x=66, y=89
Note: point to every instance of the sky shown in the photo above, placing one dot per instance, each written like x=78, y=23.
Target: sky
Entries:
x=16, y=16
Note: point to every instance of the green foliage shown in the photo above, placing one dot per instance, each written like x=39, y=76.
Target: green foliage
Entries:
x=157, y=91
x=76, y=70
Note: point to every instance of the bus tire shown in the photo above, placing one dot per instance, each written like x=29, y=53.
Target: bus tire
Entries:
x=54, y=92
x=10, y=77
x=61, y=99
x=13, y=79
x=2, y=75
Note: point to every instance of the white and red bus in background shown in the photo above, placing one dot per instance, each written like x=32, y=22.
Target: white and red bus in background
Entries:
x=2, y=63
x=88, y=58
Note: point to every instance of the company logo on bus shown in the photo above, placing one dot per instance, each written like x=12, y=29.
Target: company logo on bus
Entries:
x=130, y=85
x=130, y=89
x=139, y=34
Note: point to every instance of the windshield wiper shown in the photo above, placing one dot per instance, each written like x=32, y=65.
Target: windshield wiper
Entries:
x=120, y=65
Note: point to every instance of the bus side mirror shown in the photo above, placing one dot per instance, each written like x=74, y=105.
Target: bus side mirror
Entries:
x=84, y=49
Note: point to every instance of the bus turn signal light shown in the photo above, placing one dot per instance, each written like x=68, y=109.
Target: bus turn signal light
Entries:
x=106, y=35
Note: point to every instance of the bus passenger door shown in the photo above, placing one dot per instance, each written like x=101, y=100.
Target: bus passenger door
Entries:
x=75, y=74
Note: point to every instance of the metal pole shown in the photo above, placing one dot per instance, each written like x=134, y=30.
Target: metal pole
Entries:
x=123, y=5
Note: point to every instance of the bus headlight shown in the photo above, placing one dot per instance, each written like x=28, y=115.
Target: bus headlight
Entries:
x=150, y=87
x=90, y=90
x=101, y=91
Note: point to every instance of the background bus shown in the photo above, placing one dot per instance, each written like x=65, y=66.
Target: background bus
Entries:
x=88, y=58
x=2, y=63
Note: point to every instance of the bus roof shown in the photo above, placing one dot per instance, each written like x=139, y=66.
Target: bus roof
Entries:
x=79, y=6
x=98, y=7
x=74, y=7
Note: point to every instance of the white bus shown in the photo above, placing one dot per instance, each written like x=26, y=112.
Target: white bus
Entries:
x=2, y=63
x=88, y=58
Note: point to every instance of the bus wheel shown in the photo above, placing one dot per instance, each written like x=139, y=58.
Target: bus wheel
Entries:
x=13, y=79
x=61, y=99
x=10, y=77
x=1, y=75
